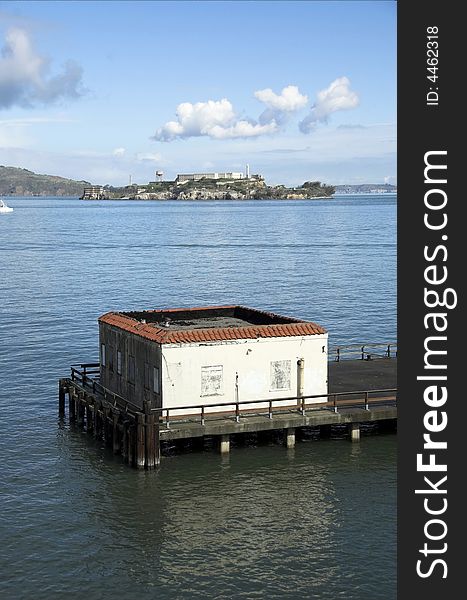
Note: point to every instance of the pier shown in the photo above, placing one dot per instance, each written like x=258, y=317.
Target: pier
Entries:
x=360, y=390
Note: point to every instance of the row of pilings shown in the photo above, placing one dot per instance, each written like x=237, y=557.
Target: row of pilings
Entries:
x=131, y=434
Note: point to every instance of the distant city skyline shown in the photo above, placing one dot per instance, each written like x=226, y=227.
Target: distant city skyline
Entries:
x=103, y=90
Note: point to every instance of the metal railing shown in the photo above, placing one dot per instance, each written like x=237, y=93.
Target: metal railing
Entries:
x=87, y=374
x=357, y=399
x=363, y=352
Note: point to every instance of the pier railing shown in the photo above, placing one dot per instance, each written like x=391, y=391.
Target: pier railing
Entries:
x=85, y=375
x=363, y=352
x=235, y=410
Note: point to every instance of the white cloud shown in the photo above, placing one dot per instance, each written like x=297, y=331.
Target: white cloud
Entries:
x=119, y=152
x=242, y=129
x=280, y=106
x=289, y=100
x=214, y=118
x=337, y=96
x=23, y=75
x=217, y=119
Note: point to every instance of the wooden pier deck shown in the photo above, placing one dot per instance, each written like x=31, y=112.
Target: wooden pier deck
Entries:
x=360, y=391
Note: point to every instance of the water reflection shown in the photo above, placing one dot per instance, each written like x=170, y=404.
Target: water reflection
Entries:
x=252, y=517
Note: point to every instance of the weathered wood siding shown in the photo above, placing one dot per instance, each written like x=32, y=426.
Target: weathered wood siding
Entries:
x=137, y=387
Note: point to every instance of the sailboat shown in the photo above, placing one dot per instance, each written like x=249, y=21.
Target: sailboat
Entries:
x=4, y=208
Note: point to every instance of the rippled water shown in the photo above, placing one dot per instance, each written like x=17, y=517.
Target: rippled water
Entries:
x=314, y=522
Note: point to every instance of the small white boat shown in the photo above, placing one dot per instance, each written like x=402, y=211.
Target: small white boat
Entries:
x=4, y=208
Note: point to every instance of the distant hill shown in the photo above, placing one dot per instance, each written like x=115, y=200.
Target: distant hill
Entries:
x=21, y=182
x=366, y=188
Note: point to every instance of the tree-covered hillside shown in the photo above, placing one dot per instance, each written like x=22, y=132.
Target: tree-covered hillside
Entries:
x=21, y=182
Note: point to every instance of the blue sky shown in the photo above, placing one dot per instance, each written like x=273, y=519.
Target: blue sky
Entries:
x=104, y=90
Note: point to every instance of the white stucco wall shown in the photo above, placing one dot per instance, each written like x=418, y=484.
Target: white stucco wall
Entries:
x=182, y=367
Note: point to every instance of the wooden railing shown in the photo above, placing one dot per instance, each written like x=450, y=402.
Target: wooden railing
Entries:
x=86, y=375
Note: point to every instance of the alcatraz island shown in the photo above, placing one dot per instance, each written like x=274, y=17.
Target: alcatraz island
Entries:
x=16, y=181
x=209, y=186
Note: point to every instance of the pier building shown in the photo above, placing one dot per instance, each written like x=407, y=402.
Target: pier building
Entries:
x=210, y=355
x=217, y=371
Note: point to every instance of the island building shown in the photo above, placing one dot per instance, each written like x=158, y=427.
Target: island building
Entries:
x=210, y=356
x=182, y=178
x=93, y=192
x=229, y=176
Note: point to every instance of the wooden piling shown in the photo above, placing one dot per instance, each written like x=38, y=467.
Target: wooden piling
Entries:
x=152, y=437
x=71, y=405
x=150, y=442
x=115, y=431
x=80, y=409
x=131, y=445
x=89, y=416
x=140, y=441
x=95, y=425
x=61, y=398
x=124, y=448
x=105, y=425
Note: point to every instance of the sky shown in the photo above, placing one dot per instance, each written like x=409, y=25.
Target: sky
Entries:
x=105, y=91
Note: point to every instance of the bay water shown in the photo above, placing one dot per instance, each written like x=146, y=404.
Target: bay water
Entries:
x=318, y=521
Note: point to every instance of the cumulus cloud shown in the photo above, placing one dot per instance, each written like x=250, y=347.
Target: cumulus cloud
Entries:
x=280, y=106
x=214, y=118
x=24, y=79
x=338, y=96
x=119, y=152
x=218, y=120
x=243, y=129
x=290, y=99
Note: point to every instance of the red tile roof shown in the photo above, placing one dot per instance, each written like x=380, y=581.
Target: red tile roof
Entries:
x=163, y=335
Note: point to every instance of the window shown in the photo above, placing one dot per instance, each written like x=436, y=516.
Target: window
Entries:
x=280, y=374
x=103, y=355
x=131, y=369
x=155, y=380
x=212, y=381
x=119, y=362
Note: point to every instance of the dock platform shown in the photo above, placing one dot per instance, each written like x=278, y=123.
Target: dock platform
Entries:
x=359, y=391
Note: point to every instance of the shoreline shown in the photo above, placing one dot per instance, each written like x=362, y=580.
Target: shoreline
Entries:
x=389, y=195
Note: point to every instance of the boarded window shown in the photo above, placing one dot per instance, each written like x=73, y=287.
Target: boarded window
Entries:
x=212, y=381
x=119, y=362
x=280, y=374
x=155, y=380
x=131, y=369
x=103, y=355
